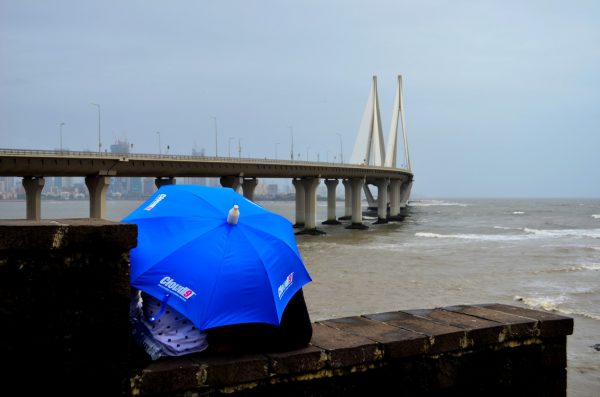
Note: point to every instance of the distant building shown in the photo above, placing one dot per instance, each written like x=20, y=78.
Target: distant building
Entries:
x=58, y=183
x=193, y=180
x=272, y=189
x=7, y=184
x=120, y=147
x=148, y=186
x=118, y=187
x=126, y=186
x=135, y=186
x=67, y=182
x=198, y=153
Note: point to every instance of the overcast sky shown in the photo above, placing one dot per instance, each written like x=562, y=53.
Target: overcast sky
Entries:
x=502, y=98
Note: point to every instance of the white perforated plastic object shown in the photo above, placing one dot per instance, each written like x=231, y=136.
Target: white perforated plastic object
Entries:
x=234, y=214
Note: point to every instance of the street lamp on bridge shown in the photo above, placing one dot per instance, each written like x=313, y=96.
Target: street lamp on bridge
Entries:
x=99, y=129
x=216, y=137
x=276, y=144
x=292, y=147
x=60, y=126
x=341, y=149
x=159, y=146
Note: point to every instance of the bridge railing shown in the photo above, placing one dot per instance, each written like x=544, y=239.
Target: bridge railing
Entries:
x=180, y=157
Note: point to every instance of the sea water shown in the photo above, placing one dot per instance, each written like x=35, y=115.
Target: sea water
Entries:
x=537, y=253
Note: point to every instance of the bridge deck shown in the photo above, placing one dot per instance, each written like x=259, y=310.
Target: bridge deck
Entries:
x=39, y=163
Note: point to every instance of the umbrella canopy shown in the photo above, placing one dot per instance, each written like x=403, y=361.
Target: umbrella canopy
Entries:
x=213, y=271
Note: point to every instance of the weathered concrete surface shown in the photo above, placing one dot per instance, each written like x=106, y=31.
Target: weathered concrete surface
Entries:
x=488, y=349
x=64, y=300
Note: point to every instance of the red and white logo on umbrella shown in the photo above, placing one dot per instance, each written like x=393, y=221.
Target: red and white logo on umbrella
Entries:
x=180, y=290
x=286, y=284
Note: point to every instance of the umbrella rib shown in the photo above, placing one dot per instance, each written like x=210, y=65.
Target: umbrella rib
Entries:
x=209, y=203
x=195, y=235
x=181, y=244
x=262, y=230
x=213, y=291
x=169, y=216
x=268, y=275
x=291, y=250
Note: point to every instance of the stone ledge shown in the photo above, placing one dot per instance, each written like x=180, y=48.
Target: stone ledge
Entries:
x=54, y=234
x=350, y=346
x=548, y=324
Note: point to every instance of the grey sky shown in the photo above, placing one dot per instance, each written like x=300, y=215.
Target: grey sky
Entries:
x=502, y=98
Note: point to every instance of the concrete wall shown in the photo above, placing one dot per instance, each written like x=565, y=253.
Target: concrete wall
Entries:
x=64, y=299
x=485, y=350
x=64, y=304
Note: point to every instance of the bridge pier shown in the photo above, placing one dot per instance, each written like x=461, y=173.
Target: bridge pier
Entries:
x=158, y=182
x=382, y=200
x=347, y=200
x=300, y=199
x=97, y=186
x=310, y=206
x=331, y=202
x=405, y=193
x=234, y=182
x=248, y=186
x=356, y=185
x=395, y=199
x=33, y=193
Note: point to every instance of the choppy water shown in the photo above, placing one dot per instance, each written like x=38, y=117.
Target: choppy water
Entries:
x=537, y=253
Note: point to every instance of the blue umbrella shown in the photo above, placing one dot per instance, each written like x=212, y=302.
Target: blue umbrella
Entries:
x=215, y=256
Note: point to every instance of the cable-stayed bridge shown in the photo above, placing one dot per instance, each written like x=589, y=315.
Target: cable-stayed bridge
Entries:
x=369, y=166
x=369, y=147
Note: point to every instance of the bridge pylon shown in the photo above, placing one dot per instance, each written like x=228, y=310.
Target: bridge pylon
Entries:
x=369, y=146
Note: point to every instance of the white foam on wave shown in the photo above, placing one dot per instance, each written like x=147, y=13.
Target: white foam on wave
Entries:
x=579, y=313
x=432, y=203
x=384, y=246
x=591, y=266
x=506, y=228
x=518, y=212
x=549, y=303
x=553, y=304
x=575, y=268
x=481, y=237
x=529, y=234
x=596, y=216
x=593, y=233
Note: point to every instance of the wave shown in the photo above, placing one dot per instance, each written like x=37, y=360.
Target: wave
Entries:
x=518, y=212
x=593, y=233
x=529, y=234
x=590, y=266
x=553, y=304
x=432, y=203
x=486, y=237
x=506, y=228
x=575, y=268
x=596, y=216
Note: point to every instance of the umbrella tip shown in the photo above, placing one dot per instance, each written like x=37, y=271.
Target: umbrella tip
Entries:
x=234, y=214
